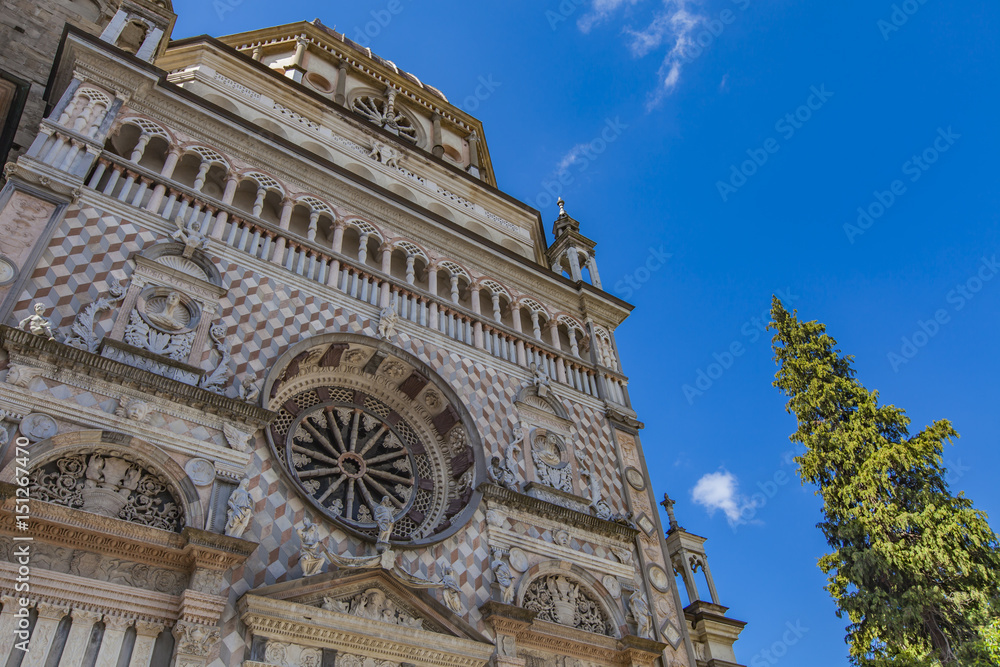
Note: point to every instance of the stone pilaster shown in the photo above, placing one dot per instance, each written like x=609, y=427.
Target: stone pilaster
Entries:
x=79, y=636
x=111, y=645
x=145, y=637
x=49, y=616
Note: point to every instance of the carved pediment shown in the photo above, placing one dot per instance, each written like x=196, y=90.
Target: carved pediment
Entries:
x=345, y=599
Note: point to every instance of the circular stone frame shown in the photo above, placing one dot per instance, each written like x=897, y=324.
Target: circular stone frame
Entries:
x=352, y=384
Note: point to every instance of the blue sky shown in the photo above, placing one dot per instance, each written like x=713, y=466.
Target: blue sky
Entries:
x=741, y=137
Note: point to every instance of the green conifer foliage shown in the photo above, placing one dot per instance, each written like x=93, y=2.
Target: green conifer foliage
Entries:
x=915, y=568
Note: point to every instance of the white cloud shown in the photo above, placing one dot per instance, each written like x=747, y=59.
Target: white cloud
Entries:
x=571, y=156
x=720, y=491
x=599, y=12
x=671, y=27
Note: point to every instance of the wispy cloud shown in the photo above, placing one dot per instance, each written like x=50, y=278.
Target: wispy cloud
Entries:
x=600, y=11
x=571, y=156
x=720, y=491
x=670, y=28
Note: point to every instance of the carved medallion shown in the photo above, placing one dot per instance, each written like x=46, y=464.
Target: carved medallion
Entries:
x=38, y=426
x=612, y=585
x=518, y=559
x=201, y=471
x=658, y=578
x=7, y=271
x=635, y=479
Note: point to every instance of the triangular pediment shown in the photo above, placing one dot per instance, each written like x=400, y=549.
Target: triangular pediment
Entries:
x=374, y=597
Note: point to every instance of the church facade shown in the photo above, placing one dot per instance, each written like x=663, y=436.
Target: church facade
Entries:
x=288, y=381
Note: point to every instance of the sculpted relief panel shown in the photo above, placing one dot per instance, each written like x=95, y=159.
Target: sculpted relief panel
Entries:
x=559, y=599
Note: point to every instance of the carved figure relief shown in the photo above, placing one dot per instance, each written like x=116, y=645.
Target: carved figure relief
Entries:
x=111, y=484
x=240, y=510
x=451, y=591
x=502, y=575
x=37, y=324
x=373, y=604
x=348, y=660
x=311, y=550
x=559, y=599
x=194, y=638
x=547, y=455
x=387, y=319
x=639, y=610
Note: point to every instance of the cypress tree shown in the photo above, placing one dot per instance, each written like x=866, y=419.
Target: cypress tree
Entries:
x=914, y=568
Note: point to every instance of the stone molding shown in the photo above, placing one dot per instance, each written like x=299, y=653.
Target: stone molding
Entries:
x=563, y=515
x=49, y=351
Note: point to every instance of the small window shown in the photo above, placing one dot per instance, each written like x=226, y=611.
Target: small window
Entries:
x=13, y=93
x=319, y=82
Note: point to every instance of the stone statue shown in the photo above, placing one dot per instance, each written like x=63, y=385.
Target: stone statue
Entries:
x=639, y=609
x=383, y=517
x=504, y=578
x=539, y=379
x=37, y=324
x=452, y=593
x=502, y=472
x=168, y=318
x=249, y=391
x=240, y=510
x=310, y=553
x=387, y=318
x=190, y=236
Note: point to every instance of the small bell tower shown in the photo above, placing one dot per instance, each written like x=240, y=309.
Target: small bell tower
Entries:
x=571, y=251
x=712, y=632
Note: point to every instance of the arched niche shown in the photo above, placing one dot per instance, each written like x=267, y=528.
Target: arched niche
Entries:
x=113, y=475
x=564, y=593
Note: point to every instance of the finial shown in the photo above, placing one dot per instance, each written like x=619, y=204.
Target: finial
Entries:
x=668, y=505
x=562, y=206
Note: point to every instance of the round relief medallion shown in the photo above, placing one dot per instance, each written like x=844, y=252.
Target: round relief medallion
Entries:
x=7, y=271
x=612, y=586
x=351, y=436
x=635, y=478
x=201, y=471
x=518, y=559
x=658, y=578
x=38, y=426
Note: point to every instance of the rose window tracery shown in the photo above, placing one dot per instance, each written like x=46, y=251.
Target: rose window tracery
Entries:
x=352, y=436
x=384, y=114
x=350, y=458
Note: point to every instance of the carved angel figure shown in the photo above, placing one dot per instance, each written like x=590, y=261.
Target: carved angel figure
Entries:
x=37, y=324
x=249, y=391
x=240, y=510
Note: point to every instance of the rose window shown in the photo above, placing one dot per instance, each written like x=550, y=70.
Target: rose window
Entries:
x=384, y=115
x=356, y=425
x=349, y=459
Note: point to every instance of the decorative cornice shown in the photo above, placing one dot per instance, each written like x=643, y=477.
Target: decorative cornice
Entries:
x=555, y=512
x=81, y=361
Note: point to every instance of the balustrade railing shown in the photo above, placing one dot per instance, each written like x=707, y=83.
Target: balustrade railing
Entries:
x=139, y=187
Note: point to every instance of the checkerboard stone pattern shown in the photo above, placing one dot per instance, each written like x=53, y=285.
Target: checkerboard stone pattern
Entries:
x=263, y=317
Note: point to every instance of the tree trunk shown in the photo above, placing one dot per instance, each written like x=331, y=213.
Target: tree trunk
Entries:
x=938, y=637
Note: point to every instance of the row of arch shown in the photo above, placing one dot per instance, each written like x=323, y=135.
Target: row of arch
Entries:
x=208, y=171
